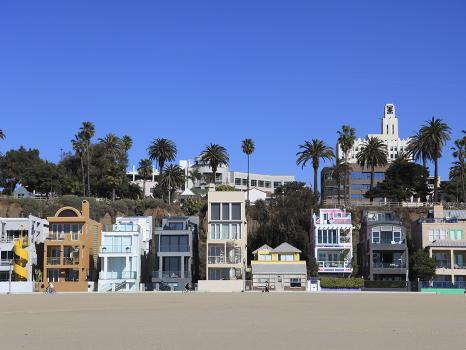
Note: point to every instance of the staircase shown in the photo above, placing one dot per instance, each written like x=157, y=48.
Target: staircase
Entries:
x=21, y=261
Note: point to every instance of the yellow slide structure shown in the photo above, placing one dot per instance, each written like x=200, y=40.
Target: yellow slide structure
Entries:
x=22, y=258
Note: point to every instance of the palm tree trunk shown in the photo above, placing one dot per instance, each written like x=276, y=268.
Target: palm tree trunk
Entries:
x=160, y=178
x=88, y=173
x=144, y=187
x=372, y=182
x=83, y=175
x=113, y=194
x=345, y=180
x=436, y=194
x=316, y=170
x=462, y=178
x=248, y=181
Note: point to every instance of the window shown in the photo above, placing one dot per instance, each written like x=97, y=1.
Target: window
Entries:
x=456, y=235
x=225, y=231
x=6, y=255
x=171, y=266
x=245, y=182
x=277, y=184
x=175, y=226
x=356, y=196
x=375, y=237
x=225, y=211
x=236, y=211
x=431, y=235
x=267, y=184
x=253, y=183
x=215, y=211
x=71, y=275
x=53, y=275
x=397, y=237
x=295, y=282
x=174, y=243
x=364, y=187
x=263, y=257
x=261, y=183
x=238, y=181
x=286, y=257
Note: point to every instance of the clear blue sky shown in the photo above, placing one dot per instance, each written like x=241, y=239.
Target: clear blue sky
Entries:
x=196, y=72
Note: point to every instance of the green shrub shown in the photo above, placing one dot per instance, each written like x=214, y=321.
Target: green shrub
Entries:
x=342, y=283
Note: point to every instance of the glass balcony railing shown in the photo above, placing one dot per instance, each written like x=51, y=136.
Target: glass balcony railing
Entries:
x=170, y=274
x=115, y=249
x=334, y=264
x=117, y=275
x=121, y=228
x=389, y=265
x=54, y=261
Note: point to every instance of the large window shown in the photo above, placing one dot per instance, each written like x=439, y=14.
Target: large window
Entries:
x=225, y=211
x=174, y=243
x=225, y=231
x=59, y=230
x=437, y=234
x=358, y=175
x=236, y=211
x=171, y=266
x=286, y=257
x=456, y=235
x=253, y=183
x=215, y=211
x=327, y=236
x=265, y=257
x=237, y=181
x=117, y=244
x=175, y=226
x=277, y=184
x=261, y=183
x=376, y=237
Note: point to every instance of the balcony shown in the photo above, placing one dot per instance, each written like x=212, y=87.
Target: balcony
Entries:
x=389, y=265
x=121, y=228
x=61, y=236
x=170, y=274
x=54, y=261
x=115, y=249
x=216, y=260
x=117, y=275
x=70, y=261
x=335, y=266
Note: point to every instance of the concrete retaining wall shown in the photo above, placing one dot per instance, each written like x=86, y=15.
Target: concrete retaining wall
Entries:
x=220, y=286
x=17, y=287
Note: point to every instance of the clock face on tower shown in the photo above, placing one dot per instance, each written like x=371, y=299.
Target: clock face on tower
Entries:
x=389, y=109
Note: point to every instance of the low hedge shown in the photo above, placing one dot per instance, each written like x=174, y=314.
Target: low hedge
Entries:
x=342, y=283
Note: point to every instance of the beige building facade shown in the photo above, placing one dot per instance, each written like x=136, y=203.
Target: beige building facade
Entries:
x=227, y=236
x=442, y=235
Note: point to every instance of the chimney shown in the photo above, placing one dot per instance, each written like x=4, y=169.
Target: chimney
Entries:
x=85, y=209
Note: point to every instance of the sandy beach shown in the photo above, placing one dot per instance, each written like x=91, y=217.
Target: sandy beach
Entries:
x=233, y=321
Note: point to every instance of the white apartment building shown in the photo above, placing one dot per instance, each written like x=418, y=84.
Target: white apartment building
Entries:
x=151, y=182
x=18, y=239
x=333, y=243
x=388, y=134
x=226, y=236
x=236, y=179
x=120, y=253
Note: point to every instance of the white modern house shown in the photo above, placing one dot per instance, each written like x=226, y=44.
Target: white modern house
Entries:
x=18, y=256
x=123, y=245
x=388, y=134
x=333, y=244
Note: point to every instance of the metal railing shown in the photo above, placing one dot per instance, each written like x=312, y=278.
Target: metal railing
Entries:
x=70, y=261
x=216, y=260
x=54, y=261
x=392, y=265
x=121, y=228
x=170, y=274
x=443, y=284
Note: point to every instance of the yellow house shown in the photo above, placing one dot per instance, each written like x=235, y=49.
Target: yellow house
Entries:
x=281, y=268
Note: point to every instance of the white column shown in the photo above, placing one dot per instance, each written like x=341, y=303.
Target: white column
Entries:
x=182, y=266
x=105, y=267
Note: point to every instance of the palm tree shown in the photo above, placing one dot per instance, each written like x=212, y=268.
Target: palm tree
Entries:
x=459, y=152
x=215, y=155
x=127, y=142
x=162, y=150
x=248, y=148
x=2, y=135
x=338, y=171
x=417, y=148
x=435, y=133
x=145, y=171
x=173, y=179
x=346, y=138
x=87, y=132
x=79, y=147
x=113, y=147
x=373, y=153
x=313, y=151
x=194, y=175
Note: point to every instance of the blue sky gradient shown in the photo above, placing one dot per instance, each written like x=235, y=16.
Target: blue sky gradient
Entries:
x=197, y=72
